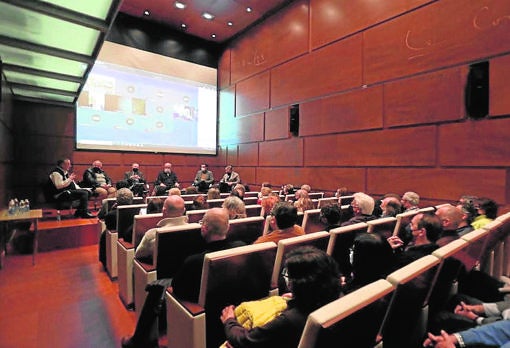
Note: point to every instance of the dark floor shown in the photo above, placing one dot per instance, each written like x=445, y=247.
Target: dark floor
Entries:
x=65, y=300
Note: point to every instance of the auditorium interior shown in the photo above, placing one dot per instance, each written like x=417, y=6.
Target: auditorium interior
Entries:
x=373, y=96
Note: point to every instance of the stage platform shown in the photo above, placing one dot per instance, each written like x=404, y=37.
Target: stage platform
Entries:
x=68, y=233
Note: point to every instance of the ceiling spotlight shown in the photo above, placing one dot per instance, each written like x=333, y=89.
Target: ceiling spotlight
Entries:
x=146, y=13
x=183, y=26
x=230, y=24
x=213, y=36
x=249, y=9
x=207, y=16
x=180, y=5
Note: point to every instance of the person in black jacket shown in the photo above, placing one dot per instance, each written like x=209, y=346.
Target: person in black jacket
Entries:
x=165, y=181
x=97, y=179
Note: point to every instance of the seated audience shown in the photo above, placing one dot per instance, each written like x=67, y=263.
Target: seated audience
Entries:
x=155, y=205
x=213, y=193
x=235, y=207
x=264, y=193
x=97, y=179
x=283, y=222
x=165, y=181
x=264, y=184
x=410, y=201
x=487, y=211
x=362, y=207
x=204, y=178
x=174, y=191
x=467, y=208
x=173, y=215
x=136, y=180
x=190, y=190
x=229, y=180
x=302, y=201
x=124, y=197
x=239, y=191
x=426, y=229
x=199, y=203
x=491, y=335
x=312, y=277
x=287, y=189
x=390, y=205
x=268, y=203
x=62, y=188
x=452, y=223
x=306, y=187
x=332, y=215
x=342, y=191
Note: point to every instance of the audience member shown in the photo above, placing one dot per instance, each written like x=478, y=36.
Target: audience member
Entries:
x=264, y=184
x=287, y=189
x=283, y=221
x=264, y=193
x=203, y=179
x=468, y=210
x=124, y=196
x=342, y=191
x=390, y=206
x=165, y=181
x=302, y=201
x=199, y=203
x=97, y=179
x=491, y=335
x=235, y=207
x=410, y=201
x=215, y=225
x=306, y=187
x=487, y=211
x=362, y=207
x=268, y=203
x=332, y=215
x=63, y=188
x=213, y=193
x=174, y=191
x=229, y=180
x=136, y=180
x=190, y=190
x=155, y=205
x=426, y=229
x=452, y=223
x=312, y=277
x=173, y=215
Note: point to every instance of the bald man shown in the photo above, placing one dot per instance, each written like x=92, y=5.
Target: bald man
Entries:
x=97, y=179
x=173, y=215
x=453, y=222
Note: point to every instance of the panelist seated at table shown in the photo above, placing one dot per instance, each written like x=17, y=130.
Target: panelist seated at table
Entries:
x=97, y=179
x=166, y=180
x=229, y=180
x=64, y=188
x=204, y=178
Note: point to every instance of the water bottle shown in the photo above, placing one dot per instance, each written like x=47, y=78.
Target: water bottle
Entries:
x=12, y=206
x=21, y=209
x=27, y=205
x=16, y=206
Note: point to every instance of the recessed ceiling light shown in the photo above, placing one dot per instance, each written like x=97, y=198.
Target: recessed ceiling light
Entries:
x=207, y=16
x=184, y=26
x=180, y=5
x=230, y=24
x=249, y=9
x=213, y=36
x=146, y=13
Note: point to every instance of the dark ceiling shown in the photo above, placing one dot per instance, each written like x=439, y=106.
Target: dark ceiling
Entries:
x=224, y=11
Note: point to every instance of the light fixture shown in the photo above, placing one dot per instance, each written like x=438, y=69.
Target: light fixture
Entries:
x=180, y=5
x=146, y=13
x=249, y=9
x=183, y=26
x=230, y=24
x=207, y=16
x=213, y=36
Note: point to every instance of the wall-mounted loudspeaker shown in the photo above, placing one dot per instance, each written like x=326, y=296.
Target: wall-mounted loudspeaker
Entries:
x=477, y=91
x=294, y=120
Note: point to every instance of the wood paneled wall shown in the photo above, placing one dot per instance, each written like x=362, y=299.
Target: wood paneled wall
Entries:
x=380, y=86
x=6, y=143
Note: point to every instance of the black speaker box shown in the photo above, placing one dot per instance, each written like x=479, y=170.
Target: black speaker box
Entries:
x=477, y=91
x=294, y=120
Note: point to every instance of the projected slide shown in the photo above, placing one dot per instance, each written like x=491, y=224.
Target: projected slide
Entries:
x=123, y=108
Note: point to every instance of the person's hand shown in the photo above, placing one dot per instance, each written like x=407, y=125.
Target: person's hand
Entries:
x=72, y=176
x=441, y=341
x=395, y=242
x=227, y=313
x=161, y=184
x=466, y=311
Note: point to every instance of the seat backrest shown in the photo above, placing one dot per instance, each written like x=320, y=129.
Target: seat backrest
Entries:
x=352, y=230
x=353, y=319
x=405, y=322
x=250, y=200
x=322, y=202
x=403, y=220
x=319, y=240
x=312, y=221
x=195, y=215
x=246, y=229
x=215, y=203
x=251, y=194
x=383, y=226
x=316, y=195
x=125, y=220
x=173, y=245
x=108, y=203
x=191, y=197
x=478, y=241
x=253, y=210
x=233, y=276
x=344, y=200
x=148, y=199
x=143, y=223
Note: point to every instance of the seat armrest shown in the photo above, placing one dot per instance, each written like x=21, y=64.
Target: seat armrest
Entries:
x=126, y=245
x=147, y=267
x=193, y=308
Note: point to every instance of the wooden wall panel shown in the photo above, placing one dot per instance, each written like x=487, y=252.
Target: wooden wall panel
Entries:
x=252, y=95
x=281, y=153
x=249, y=154
x=334, y=19
x=243, y=130
x=358, y=110
x=427, y=98
x=248, y=176
x=107, y=158
x=499, y=90
x=398, y=147
x=318, y=178
x=475, y=143
x=279, y=38
x=232, y=153
x=317, y=73
x=224, y=69
x=445, y=33
x=276, y=125
x=448, y=184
